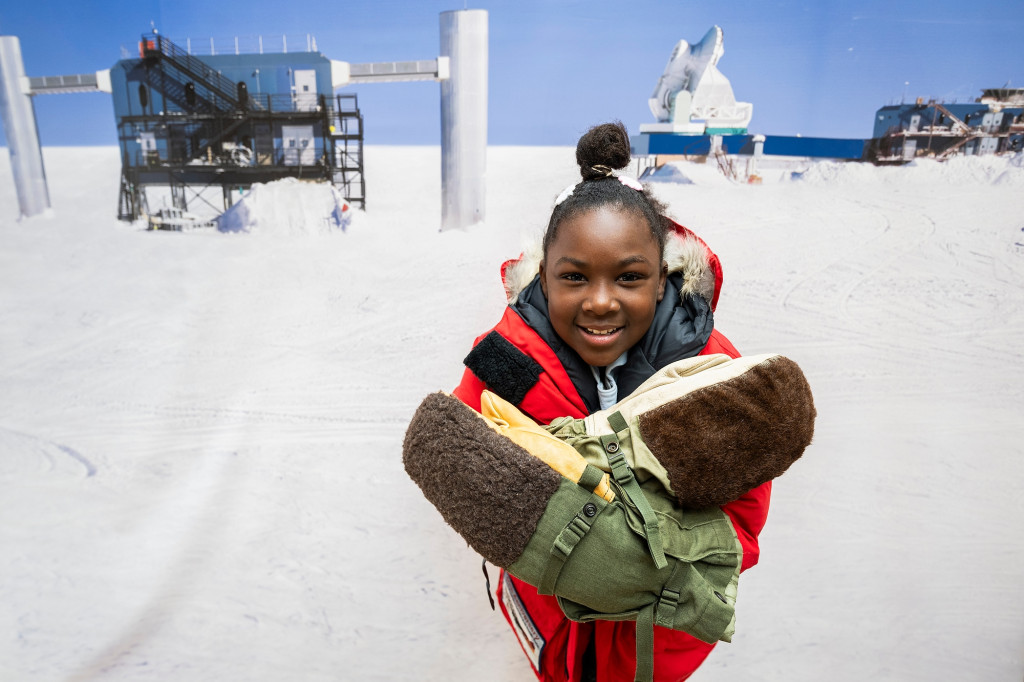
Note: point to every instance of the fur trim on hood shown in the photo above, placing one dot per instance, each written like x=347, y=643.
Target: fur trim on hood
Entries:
x=684, y=252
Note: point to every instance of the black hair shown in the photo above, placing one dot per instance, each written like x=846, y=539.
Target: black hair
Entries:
x=604, y=148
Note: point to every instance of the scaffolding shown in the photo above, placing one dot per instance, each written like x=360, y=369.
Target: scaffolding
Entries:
x=211, y=132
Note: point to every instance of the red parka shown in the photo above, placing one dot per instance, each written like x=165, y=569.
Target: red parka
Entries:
x=548, y=392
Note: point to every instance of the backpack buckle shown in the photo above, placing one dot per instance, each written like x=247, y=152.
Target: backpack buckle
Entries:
x=665, y=611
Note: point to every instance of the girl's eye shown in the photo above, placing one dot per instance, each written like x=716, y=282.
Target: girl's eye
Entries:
x=631, y=277
x=573, y=277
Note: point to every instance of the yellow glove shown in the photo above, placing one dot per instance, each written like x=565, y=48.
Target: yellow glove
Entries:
x=506, y=419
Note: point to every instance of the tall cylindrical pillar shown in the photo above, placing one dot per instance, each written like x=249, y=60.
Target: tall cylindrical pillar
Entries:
x=19, y=122
x=463, y=118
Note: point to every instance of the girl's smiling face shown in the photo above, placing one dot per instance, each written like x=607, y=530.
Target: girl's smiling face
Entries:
x=603, y=276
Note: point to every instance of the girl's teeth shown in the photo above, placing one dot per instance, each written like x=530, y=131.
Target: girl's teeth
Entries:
x=600, y=333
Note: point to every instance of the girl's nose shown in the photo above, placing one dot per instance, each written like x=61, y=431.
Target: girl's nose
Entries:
x=601, y=300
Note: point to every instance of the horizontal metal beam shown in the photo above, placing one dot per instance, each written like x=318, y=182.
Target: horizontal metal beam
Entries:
x=386, y=72
x=83, y=82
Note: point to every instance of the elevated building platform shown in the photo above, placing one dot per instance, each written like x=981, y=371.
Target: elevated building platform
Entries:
x=190, y=122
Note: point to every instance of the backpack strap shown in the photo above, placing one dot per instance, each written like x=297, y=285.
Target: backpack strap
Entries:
x=645, y=644
x=591, y=478
x=566, y=541
x=623, y=475
x=660, y=612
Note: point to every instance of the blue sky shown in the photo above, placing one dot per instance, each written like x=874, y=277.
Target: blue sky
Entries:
x=558, y=66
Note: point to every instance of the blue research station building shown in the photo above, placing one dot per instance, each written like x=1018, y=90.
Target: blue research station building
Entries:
x=188, y=121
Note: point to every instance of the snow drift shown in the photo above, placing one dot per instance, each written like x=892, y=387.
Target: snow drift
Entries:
x=287, y=207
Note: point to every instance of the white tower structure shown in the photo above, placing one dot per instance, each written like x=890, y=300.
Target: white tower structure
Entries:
x=19, y=122
x=693, y=97
x=463, y=118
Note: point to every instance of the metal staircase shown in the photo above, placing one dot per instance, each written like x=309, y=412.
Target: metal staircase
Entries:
x=190, y=82
x=347, y=138
x=189, y=86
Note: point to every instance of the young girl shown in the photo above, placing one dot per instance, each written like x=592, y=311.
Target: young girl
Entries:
x=617, y=292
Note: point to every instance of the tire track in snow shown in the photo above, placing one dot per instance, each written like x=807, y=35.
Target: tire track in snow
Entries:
x=974, y=285
x=866, y=294
x=850, y=269
x=788, y=301
x=848, y=291
x=239, y=415
x=22, y=448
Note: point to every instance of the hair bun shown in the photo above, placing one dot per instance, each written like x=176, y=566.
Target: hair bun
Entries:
x=606, y=144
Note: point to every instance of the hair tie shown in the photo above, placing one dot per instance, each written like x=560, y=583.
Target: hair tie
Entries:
x=606, y=171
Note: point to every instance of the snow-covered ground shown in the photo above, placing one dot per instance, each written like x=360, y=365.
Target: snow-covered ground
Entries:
x=200, y=433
